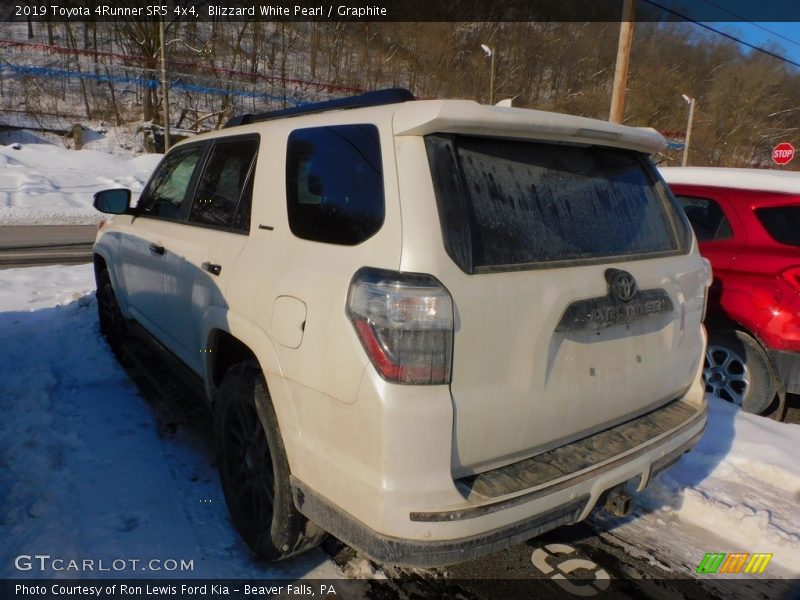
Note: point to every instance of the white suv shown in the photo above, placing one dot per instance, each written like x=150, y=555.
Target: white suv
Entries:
x=431, y=328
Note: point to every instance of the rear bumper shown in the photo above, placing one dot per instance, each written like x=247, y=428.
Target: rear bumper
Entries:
x=484, y=524
x=434, y=553
x=787, y=365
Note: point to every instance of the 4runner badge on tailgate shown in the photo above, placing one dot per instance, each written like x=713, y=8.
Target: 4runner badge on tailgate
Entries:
x=623, y=303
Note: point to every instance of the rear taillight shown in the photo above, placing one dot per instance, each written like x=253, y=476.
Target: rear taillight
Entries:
x=405, y=323
x=792, y=277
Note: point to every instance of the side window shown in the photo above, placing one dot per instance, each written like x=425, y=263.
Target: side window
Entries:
x=167, y=191
x=707, y=219
x=334, y=183
x=223, y=188
x=782, y=223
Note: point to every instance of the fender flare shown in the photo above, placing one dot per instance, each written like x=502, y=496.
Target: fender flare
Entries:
x=261, y=345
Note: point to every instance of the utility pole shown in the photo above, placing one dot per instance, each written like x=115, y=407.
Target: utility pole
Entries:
x=490, y=53
x=690, y=101
x=623, y=58
x=164, y=84
x=491, y=83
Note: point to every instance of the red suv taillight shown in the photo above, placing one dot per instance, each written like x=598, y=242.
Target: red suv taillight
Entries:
x=792, y=277
x=405, y=323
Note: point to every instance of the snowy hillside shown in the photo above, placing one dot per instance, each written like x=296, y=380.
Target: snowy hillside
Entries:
x=44, y=184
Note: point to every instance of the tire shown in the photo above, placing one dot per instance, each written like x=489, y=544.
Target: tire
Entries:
x=253, y=468
x=112, y=323
x=738, y=370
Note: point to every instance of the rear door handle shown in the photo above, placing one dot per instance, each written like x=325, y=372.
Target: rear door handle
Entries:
x=156, y=249
x=212, y=268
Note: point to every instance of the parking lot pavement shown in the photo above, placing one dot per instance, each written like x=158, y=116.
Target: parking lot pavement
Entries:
x=29, y=245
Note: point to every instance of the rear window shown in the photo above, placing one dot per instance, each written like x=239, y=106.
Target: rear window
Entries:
x=516, y=204
x=782, y=223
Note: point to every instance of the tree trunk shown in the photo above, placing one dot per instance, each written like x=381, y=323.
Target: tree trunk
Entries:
x=78, y=68
x=117, y=118
x=314, y=49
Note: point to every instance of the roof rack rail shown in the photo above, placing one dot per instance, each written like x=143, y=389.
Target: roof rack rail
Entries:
x=375, y=98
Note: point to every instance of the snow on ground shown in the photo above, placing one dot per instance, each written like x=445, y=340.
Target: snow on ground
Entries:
x=752, y=493
x=45, y=184
x=85, y=472
x=737, y=491
x=123, y=141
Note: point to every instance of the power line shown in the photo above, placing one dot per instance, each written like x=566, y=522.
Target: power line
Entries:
x=775, y=33
x=723, y=34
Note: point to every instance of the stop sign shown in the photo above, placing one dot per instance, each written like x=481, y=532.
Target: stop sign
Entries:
x=783, y=153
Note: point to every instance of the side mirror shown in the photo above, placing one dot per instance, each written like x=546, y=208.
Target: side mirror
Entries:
x=113, y=202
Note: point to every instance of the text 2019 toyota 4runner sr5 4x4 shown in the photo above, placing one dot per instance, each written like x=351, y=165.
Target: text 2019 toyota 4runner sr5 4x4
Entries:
x=431, y=328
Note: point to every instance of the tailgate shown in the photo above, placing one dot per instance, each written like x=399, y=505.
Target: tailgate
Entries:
x=527, y=377
x=578, y=303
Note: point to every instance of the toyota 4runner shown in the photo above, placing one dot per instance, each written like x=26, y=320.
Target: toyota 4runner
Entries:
x=430, y=328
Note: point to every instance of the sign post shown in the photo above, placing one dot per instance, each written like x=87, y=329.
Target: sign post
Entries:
x=783, y=153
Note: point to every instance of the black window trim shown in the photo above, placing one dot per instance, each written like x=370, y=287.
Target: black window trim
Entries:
x=679, y=224
x=250, y=173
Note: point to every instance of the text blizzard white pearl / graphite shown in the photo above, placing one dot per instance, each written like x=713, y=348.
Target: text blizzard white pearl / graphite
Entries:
x=269, y=10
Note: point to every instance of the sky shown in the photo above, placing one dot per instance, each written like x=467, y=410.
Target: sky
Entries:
x=762, y=34
x=762, y=23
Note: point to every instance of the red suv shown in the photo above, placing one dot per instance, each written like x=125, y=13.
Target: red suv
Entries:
x=747, y=223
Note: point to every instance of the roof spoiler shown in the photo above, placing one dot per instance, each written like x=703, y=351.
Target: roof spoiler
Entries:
x=375, y=98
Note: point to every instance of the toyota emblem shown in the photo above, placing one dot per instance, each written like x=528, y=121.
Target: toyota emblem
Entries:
x=621, y=284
